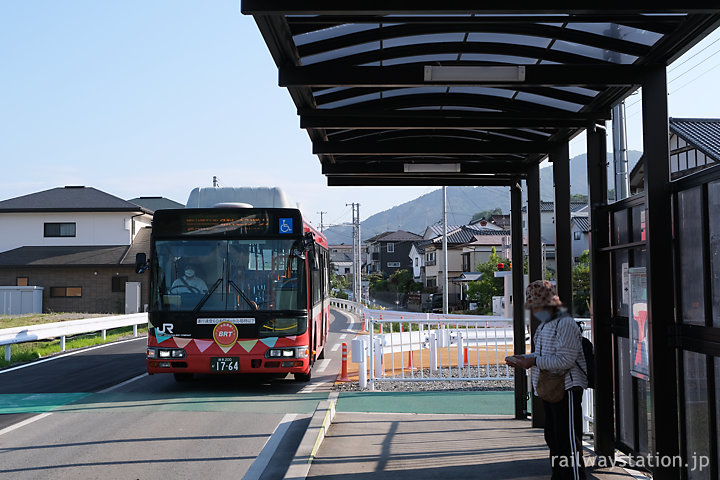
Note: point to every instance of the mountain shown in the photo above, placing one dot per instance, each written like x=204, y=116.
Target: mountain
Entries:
x=462, y=203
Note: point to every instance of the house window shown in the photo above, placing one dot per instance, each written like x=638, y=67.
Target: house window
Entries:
x=118, y=284
x=393, y=264
x=431, y=282
x=416, y=261
x=430, y=257
x=577, y=235
x=391, y=248
x=66, y=291
x=22, y=281
x=59, y=229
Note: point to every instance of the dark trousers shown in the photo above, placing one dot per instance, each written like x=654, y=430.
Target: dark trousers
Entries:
x=563, y=435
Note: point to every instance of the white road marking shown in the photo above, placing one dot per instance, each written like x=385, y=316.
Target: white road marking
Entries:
x=110, y=389
x=314, y=386
x=27, y=421
x=336, y=347
x=322, y=365
x=263, y=459
x=343, y=336
x=74, y=352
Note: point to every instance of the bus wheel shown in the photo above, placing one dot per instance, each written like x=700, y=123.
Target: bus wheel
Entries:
x=183, y=377
x=303, y=377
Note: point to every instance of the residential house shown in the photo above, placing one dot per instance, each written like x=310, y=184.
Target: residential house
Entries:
x=694, y=146
x=78, y=243
x=389, y=252
x=466, y=248
x=341, y=258
x=580, y=231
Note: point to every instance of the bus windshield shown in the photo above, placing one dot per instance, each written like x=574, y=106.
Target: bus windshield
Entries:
x=228, y=275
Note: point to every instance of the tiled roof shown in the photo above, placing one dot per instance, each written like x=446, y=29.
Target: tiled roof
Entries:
x=140, y=244
x=546, y=206
x=437, y=228
x=704, y=133
x=69, y=199
x=583, y=223
x=64, y=256
x=156, y=203
x=76, y=256
x=398, y=236
x=468, y=235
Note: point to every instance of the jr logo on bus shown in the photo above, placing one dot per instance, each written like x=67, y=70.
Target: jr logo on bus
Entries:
x=225, y=334
x=285, y=225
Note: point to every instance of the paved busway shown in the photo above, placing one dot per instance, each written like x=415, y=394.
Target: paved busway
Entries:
x=95, y=414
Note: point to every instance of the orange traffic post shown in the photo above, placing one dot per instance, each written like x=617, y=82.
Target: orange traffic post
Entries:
x=410, y=365
x=465, y=360
x=343, y=372
x=363, y=324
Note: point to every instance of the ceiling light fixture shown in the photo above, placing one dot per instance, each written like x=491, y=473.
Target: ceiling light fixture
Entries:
x=474, y=74
x=432, y=168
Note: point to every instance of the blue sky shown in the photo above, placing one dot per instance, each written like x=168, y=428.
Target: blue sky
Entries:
x=155, y=97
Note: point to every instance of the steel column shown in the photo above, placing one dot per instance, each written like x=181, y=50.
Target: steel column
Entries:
x=600, y=285
x=660, y=295
x=560, y=158
x=534, y=242
x=518, y=297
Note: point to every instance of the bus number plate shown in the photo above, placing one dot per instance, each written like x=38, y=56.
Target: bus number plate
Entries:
x=224, y=364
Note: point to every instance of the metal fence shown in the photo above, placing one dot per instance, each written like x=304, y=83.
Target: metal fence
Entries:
x=407, y=346
x=32, y=333
x=414, y=347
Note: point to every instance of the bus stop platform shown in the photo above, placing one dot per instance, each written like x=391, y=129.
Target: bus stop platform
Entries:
x=367, y=440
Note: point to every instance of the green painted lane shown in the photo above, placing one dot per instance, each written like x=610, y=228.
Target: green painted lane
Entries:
x=187, y=402
x=457, y=402
x=36, y=402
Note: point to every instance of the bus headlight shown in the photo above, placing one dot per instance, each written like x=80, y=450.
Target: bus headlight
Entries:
x=165, y=352
x=291, y=352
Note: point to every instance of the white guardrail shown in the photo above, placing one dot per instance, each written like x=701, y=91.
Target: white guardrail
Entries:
x=33, y=333
x=347, y=305
x=411, y=346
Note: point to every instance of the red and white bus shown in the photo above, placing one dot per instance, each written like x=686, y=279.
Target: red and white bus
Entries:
x=235, y=291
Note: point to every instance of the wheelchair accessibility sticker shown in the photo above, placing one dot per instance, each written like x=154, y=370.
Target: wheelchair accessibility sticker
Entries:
x=286, y=225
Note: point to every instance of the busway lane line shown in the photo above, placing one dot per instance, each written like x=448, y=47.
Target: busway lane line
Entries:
x=122, y=384
x=263, y=459
x=74, y=352
x=27, y=421
x=336, y=347
x=322, y=365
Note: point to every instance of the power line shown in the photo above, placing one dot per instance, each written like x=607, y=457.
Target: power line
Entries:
x=695, y=55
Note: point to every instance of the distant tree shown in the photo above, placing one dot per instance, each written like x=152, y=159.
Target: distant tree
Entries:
x=581, y=285
x=579, y=197
x=486, y=214
x=482, y=291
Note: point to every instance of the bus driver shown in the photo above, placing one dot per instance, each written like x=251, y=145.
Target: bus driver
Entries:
x=189, y=283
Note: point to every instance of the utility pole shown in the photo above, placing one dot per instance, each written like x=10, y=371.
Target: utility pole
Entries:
x=445, y=252
x=357, y=254
x=620, y=158
x=321, y=220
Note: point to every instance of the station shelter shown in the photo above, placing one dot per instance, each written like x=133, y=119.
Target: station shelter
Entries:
x=477, y=93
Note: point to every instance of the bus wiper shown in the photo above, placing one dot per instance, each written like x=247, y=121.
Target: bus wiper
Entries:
x=252, y=304
x=206, y=296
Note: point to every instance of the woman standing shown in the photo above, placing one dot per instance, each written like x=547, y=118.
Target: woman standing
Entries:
x=558, y=351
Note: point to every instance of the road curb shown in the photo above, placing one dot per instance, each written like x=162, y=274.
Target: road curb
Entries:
x=313, y=438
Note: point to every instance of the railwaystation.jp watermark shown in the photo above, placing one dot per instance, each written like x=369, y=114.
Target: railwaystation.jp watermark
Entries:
x=693, y=463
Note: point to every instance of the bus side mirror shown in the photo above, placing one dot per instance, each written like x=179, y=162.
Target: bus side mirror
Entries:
x=141, y=263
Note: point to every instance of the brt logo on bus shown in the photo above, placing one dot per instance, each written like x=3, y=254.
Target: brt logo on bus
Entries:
x=225, y=334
